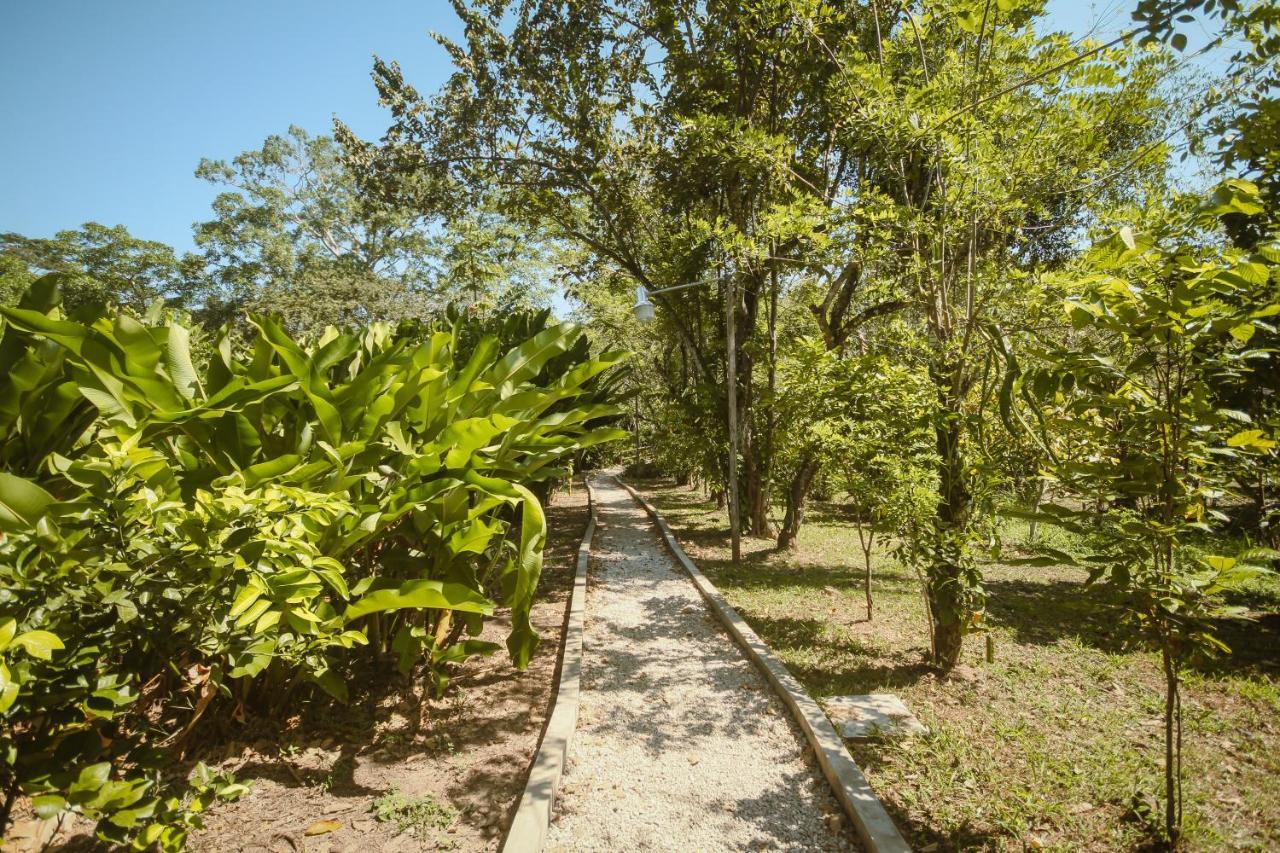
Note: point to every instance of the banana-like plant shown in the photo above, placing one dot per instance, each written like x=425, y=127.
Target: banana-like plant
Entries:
x=238, y=524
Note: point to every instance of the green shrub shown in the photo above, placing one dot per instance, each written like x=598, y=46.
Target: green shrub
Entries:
x=179, y=538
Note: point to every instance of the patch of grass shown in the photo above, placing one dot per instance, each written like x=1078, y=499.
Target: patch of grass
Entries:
x=1051, y=744
x=419, y=815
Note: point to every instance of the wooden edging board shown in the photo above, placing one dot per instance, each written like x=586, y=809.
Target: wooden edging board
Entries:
x=528, y=830
x=874, y=826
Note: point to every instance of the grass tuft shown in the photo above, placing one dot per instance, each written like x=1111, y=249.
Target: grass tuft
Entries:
x=419, y=815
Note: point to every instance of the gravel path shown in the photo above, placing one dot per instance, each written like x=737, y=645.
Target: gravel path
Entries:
x=680, y=743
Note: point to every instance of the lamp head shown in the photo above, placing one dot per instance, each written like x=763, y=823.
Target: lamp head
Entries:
x=643, y=309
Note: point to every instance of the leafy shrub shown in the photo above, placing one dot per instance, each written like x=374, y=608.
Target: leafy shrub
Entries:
x=177, y=538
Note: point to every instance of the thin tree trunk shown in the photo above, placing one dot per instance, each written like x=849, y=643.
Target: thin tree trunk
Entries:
x=797, y=493
x=755, y=461
x=758, y=522
x=1035, y=507
x=1172, y=750
x=867, y=539
x=10, y=797
x=945, y=605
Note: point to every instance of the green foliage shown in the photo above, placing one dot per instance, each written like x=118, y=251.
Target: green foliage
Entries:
x=101, y=265
x=417, y=814
x=1242, y=107
x=191, y=533
x=294, y=233
x=1160, y=329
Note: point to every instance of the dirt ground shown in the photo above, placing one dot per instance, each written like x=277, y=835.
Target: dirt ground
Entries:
x=465, y=756
x=393, y=770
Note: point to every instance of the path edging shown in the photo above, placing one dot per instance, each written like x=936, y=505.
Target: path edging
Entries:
x=532, y=820
x=874, y=826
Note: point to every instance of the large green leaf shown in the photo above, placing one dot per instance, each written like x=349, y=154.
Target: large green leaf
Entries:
x=418, y=595
x=525, y=361
x=178, y=357
x=22, y=503
x=526, y=568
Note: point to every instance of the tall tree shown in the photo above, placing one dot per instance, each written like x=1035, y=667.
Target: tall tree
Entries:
x=294, y=233
x=983, y=146
x=675, y=142
x=104, y=264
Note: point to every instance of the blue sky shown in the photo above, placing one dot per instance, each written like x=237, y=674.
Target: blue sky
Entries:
x=109, y=106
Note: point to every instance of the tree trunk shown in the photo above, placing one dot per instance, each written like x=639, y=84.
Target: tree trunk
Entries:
x=797, y=492
x=758, y=523
x=1035, y=507
x=948, y=638
x=755, y=458
x=868, y=586
x=867, y=539
x=1172, y=751
x=10, y=797
x=945, y=593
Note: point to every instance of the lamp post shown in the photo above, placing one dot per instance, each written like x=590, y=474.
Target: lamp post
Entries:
x=644, y=313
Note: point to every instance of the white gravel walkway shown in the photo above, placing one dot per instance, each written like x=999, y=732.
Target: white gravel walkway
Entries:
x=680, y=743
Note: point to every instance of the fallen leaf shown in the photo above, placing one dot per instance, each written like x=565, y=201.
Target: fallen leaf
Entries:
x=320, y=827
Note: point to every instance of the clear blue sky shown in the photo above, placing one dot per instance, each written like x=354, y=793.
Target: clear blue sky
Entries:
x=109, y=106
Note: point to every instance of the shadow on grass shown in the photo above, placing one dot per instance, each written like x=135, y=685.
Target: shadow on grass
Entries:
x=1043, y=612
x=845, y=664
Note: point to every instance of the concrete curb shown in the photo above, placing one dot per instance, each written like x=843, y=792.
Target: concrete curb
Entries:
x=875, y=828
x=528, y=831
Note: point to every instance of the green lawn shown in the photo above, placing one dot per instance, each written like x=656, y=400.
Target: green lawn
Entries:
x=1045, y=747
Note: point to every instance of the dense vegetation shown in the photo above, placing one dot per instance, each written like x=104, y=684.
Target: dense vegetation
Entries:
x=944, y=256
x=190, y=537
x=892, y=203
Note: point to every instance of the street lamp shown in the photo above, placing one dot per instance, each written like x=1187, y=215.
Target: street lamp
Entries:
x=643, y=308
x=644, y=313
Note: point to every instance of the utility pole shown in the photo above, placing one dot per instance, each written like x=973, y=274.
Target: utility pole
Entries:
x=635, y=423
x=731, y=368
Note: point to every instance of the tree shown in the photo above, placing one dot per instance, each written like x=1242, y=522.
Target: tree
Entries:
x=980, y=178
x=485, y=262
x=810, y=414
x=294, y=233
x=1164, y=319
x=882, y=451
x=15, y=278
x=103, y=265
x=672, y=143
